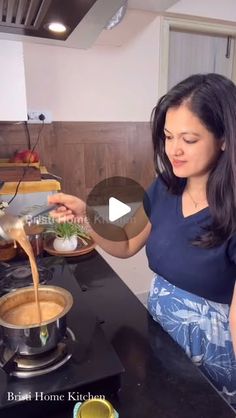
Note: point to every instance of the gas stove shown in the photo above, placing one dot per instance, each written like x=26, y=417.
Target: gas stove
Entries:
x=13, y=277
x=83, y=361
x=25, y=366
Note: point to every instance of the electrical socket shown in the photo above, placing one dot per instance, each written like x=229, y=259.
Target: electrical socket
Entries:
x=33, y=116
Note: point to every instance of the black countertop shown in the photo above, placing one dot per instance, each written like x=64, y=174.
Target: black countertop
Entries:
x=159, y=380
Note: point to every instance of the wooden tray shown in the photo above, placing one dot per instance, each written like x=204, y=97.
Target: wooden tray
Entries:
x=4, y=162
x=85, y=249
x=16, y=173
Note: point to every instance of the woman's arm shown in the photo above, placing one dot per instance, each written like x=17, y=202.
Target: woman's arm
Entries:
x=232, y=319
x=128, y=240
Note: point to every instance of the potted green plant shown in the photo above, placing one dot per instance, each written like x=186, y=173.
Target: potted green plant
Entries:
x=66, y=235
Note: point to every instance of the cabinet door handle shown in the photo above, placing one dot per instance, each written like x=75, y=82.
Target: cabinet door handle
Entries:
x=228, y=47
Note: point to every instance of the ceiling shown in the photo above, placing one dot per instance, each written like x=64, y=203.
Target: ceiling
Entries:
x=27, y=20
x=151, y=5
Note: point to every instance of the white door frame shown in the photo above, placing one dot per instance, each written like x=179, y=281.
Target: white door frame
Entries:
x=191, y=25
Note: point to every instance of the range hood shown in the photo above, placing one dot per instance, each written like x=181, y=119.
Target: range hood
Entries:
x=31, y=17
x=27, y=20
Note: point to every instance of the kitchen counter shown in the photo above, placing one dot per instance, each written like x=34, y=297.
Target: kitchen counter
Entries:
x=159, y=380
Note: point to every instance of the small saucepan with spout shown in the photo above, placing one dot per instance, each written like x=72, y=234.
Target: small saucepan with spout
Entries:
x=9, y=222
x=37, y=338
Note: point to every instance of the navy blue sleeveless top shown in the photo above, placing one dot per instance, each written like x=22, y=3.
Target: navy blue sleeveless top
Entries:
x=209, y=273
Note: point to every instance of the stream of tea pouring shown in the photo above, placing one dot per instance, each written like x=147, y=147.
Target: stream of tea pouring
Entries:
x=12, y=227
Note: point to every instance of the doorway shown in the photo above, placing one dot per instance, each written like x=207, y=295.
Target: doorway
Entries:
x=192, y=46
x=191, y=53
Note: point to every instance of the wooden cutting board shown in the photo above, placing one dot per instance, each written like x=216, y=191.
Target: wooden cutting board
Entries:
x=4, y=162
x=15, y=174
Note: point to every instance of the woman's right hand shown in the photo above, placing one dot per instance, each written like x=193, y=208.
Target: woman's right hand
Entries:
x=70, y=208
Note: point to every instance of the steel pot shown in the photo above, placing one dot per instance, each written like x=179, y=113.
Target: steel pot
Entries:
x=34, y=339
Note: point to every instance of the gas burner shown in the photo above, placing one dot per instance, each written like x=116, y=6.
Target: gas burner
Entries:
x=30, y=366
x=21, y=272
x=15, y=277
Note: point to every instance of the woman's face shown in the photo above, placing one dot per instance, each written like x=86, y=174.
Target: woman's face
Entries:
x=190, y=147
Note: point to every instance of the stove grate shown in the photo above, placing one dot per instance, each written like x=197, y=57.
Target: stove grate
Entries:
x=31, y=366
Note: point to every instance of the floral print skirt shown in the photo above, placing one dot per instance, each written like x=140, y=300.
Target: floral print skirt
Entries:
x=201, y=328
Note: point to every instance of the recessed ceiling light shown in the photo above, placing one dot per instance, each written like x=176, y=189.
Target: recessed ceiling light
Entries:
x=57, y=27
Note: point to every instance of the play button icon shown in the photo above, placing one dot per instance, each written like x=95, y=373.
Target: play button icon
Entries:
x=117, y=209
x=113, y=203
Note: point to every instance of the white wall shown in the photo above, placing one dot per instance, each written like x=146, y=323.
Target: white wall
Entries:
x=13, y=97
x=104, y=83
x=217, y=9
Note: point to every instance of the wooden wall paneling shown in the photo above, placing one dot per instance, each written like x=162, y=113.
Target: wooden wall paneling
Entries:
x=53, y=152
x=13, y=138
x=140, y=166
x=147, y=169
x=74, y=170
x=91, y=151
x=95, y=164
x=95, y=132
x=116, y=159
x=47, y=146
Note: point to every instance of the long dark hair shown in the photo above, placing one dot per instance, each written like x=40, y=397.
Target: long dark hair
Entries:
x=212, y=98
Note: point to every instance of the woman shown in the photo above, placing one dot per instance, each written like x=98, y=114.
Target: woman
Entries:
x=190, y=235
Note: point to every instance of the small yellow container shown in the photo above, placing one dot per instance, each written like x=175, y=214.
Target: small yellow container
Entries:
x=94, y=408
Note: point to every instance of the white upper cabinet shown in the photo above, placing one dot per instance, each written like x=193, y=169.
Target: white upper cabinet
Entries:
x=12, y=78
